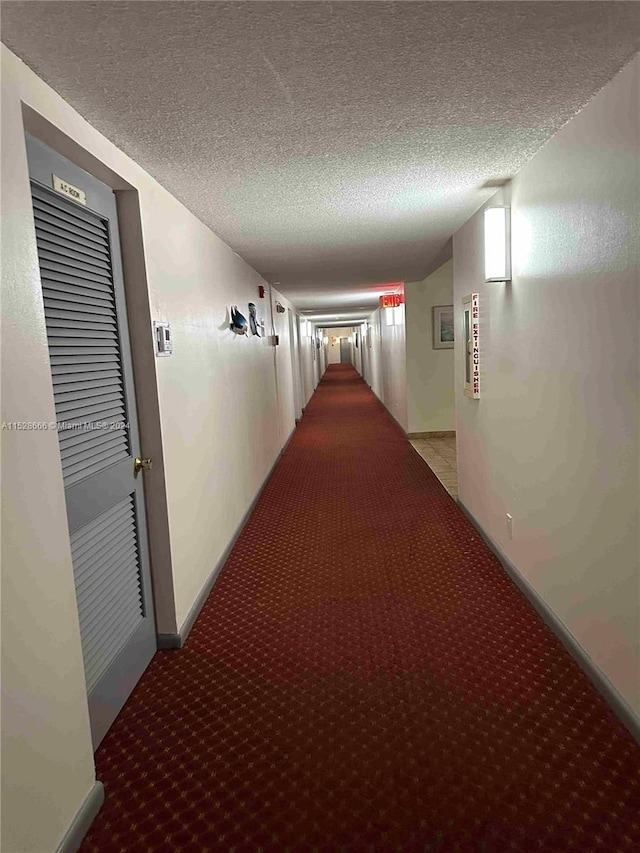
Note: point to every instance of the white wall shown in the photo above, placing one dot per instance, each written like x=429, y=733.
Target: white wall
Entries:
x=356, y=351
x=296, y=361
x=374, y=368
x=554, y=438
x=307, y=362
x=47, y=757
x=217, y=392
x=283, y=361
x=430, y=374
x=364, y=355
x=391, y=384
x=322, y=356
x=218, y=417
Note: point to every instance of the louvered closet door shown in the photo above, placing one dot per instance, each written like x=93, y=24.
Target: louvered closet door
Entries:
x=83, y=297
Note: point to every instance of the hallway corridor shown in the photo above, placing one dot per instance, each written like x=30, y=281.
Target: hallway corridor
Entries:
x=364, y=676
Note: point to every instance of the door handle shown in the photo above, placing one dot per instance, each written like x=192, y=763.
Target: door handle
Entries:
x=140, y=464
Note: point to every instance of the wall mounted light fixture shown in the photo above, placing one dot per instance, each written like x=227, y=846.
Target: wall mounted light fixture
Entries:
x=497, y=244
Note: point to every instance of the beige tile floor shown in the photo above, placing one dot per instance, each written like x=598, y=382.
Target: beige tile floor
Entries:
x=440, y=456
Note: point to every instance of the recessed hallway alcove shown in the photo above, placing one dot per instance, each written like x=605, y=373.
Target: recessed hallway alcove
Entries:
x=365, y=677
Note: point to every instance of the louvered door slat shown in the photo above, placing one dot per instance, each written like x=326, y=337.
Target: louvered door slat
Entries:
x=83, y=260
x=97, y=572
x=84, y=415
x=110, y=644
x=86, y=451
x=78, y=318
x=65, y=302
x=77, y=394
x=99, y=525
x=63, y=270
x=49, y=259
x=54, y=228
x=75, y=473
x=88, y=387
x=52, y=214
x=54, y=279
x=79, y=325
x=80, y=439
x=115, y=600
x=91, y=361
x=116, y=540
x=92, y=550
x=74, y=317
x=66, y=211
x=54, y=225
x=83, y=245
x=91, y=565
x=78, y=348
x=88, y=376
x=73, y=248
x=106, y=564
x=84, y=439
x=91, y=410
x=99, y=328
x=51, y=237
x=115, y=632
x=112, y=634
x=93, y=424
x=90, y=402
x=64, y=292
x=95, y=617
x=70, y=332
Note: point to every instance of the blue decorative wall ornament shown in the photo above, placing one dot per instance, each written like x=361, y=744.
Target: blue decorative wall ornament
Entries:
x=238, y=324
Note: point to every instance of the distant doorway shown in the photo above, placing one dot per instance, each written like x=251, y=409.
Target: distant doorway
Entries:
x=345, y=351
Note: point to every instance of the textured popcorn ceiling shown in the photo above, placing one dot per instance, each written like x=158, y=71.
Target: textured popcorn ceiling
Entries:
x=333, y=145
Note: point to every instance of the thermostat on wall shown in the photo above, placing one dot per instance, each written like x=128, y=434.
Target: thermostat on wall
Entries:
x=163, y=338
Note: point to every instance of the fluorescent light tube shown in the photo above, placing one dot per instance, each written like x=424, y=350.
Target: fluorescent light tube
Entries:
x=497, y=244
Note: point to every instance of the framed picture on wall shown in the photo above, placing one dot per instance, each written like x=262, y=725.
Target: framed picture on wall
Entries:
x=442, y=326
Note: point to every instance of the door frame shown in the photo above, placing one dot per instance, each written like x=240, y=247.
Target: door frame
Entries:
x=136, y=293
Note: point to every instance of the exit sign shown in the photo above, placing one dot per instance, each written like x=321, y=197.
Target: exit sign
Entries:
x=390, y=300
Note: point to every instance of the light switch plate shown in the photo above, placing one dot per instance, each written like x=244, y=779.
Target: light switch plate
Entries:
x=163, y=338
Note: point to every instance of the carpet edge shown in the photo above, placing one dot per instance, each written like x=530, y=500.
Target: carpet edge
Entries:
x=173, y=642
x=609, y=692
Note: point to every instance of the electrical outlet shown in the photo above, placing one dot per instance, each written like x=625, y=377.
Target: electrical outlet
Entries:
x=509, y=526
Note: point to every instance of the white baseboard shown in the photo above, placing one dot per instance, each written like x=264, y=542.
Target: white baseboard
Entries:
x=87, y=812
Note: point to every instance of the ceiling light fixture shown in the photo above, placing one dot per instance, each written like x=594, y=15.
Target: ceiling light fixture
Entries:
x=497, y=244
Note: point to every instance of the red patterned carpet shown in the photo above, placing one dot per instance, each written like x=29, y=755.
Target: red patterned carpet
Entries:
x=365, y=677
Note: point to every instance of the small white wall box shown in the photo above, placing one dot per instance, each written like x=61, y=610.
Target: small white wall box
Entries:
x=163, y=338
